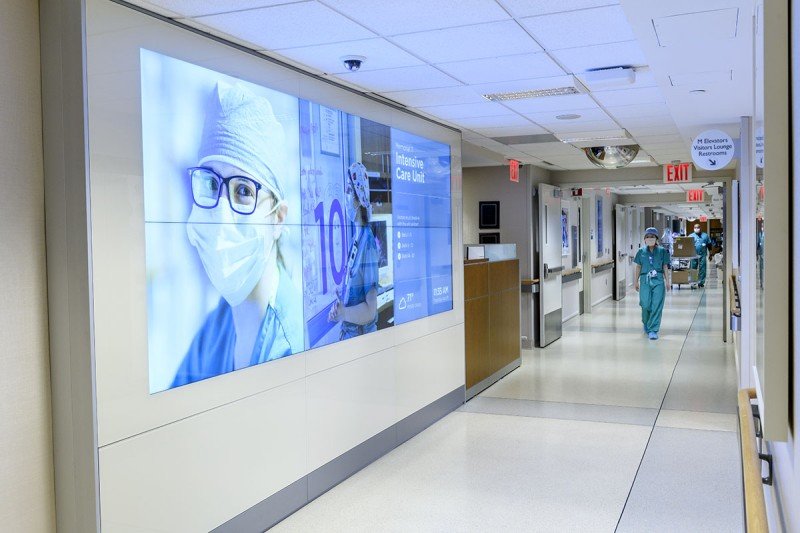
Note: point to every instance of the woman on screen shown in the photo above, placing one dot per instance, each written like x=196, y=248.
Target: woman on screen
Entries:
x=236, y=225
x=356, y=305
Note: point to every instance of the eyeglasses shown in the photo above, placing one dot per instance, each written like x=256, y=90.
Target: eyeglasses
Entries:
x=207, y=188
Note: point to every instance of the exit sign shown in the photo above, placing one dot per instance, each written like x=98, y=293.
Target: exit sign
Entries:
x=513, y=170
x=703, y=218
x=695, y=196
x=680, y=173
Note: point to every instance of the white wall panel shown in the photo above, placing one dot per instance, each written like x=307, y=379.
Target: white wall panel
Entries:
x=195, y=474
x=602, y=286
x=348, y=404
x=570, y=299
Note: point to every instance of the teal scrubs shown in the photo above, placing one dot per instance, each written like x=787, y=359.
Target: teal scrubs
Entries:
x=701, y=243
x=651, y=285
x=363, y=278
x=211, y=351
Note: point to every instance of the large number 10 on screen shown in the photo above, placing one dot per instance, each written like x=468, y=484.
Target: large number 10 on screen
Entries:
x=327, y=245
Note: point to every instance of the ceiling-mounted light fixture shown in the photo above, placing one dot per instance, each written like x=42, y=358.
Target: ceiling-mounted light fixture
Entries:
x=534, y=93
x=568, y=116
x=612, y=156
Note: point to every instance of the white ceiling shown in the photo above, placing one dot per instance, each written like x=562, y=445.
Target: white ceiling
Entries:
x=441, y=63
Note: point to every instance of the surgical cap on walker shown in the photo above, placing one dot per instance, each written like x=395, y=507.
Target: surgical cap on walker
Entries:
x=241, y=130
x=358, y=177
x=651, y=231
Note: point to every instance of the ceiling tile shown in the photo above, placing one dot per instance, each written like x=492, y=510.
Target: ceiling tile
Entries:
x=660, y=129
x=399, y=79
x=658, y=139
x=509, y=131
x=623, y=97
x=639, y=111
x=526, y=8
x=578, y=60
x=586, y=115
x=392, y=18
x=380, y=54
x=491, y=122
x=700, y=27
x=159, y=6
x=549, y=149
x=480, y=109
x=572, y=126
x=664, y=121
x=469, y=42
x=197, y=8
x=571, y=104
x=506, y=68
x=580, y=28
x=276, y=27
x=430, y=97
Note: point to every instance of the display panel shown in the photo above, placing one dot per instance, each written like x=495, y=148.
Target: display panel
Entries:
x=275, y=225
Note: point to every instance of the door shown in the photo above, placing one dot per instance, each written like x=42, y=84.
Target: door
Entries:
x=620, y=252
x=550, y=265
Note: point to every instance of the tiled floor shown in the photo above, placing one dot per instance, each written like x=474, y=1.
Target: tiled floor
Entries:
x=602, y=431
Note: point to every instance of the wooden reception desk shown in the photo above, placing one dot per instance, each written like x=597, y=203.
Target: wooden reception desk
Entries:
x=491, y=321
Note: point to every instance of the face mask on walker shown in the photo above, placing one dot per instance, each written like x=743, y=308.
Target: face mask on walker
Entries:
x=650, y=241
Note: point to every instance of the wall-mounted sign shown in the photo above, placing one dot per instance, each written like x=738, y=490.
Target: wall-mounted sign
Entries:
x=680, y=173
x=513, y=170
x=703, y=218
x=695, y=196
x=712, y=150
x=760, y=147
x=577, y=192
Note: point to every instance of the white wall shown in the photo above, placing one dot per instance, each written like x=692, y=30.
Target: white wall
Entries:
x=26, y=454
x=191, y=458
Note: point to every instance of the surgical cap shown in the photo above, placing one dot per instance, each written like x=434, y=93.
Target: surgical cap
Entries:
x=651, y=231
x=360, y=180
x=241, y=130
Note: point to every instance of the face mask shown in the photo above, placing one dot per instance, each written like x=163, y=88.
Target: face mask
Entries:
x=650, y=241
x=233, y=255
x=697, y=231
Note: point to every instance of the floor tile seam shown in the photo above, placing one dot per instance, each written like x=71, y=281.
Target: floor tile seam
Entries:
x=558, y=418
x=653, y=428
x=714, y=430
x=703, y=412
x=571, y=403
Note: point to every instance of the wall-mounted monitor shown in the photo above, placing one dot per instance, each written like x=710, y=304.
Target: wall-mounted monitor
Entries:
x=275, y=225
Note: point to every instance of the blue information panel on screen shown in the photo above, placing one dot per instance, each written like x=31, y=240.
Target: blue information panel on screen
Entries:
x=421, y=217
x=275, y=225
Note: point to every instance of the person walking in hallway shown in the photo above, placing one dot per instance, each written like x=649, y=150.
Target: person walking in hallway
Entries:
x=702, y=243
x=652, y=281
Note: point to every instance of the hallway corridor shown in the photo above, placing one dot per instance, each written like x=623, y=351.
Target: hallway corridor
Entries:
x=603, y=431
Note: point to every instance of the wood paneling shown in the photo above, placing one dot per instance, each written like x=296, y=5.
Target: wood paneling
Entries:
x=492, y=318
x=476, y=280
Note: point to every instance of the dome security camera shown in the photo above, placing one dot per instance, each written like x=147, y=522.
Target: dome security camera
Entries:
x=353, y=63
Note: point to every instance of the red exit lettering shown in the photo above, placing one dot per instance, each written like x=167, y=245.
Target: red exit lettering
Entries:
x=680, y=173
x=695, y=195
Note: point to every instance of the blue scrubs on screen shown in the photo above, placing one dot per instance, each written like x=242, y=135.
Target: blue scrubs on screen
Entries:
x=211, y=351
x=364, y=278
x=651, y=285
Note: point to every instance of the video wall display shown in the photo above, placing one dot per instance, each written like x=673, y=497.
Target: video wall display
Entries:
x=274, y=225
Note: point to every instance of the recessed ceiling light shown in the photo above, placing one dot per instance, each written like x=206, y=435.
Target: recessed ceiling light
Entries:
x=568, y=116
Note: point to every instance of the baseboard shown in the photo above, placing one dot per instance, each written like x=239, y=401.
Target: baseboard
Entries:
x=485, y=383
x=286, y=501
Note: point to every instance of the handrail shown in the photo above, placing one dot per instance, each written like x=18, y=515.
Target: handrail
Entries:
x=755, y=509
